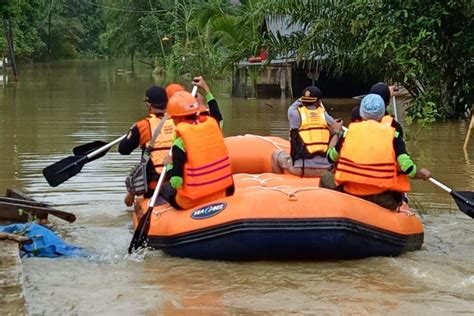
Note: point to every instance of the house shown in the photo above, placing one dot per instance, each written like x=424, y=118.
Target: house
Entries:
x=286, y=76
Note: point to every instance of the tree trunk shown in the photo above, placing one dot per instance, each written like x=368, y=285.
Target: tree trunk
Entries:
x=11, y=47
x=447, y=72
x=49, y=32
x=132, y=59
x=446, y=89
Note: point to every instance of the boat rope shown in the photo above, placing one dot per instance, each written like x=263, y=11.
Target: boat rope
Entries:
x=292, y=194
x=265, y=138
x=405, y=210
x=158, y=213
x=257, y=177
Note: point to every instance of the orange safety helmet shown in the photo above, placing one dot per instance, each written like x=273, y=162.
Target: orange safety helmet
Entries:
x=182, y=103
x=172, y=88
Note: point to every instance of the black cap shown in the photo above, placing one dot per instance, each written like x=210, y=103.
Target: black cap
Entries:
x=382, y=90
x=157, y=97
x=311, y=94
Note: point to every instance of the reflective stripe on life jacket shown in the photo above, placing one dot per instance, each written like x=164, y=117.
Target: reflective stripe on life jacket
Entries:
x=207, y=169
x=163, y=142
x=368, y=158
x=313, y=131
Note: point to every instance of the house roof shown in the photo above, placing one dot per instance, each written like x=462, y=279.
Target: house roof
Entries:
x=282, y=24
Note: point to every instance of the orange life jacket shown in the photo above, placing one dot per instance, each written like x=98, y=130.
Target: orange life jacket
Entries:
x=387, y=120
x=314, y=131
x=367, y=163
x=207, y=169
x=163, y=142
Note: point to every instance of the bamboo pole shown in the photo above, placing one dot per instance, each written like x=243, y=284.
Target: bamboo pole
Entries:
x=11, y=45
x=471, y=126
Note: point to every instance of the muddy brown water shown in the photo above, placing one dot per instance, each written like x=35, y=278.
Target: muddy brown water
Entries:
x=58, y=106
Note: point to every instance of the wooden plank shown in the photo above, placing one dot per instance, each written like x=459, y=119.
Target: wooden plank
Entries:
x=17, y=194
x=9, y=210
x=20, y=201
x=16, y=199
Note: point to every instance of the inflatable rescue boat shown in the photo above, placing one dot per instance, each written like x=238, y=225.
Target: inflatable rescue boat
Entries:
x=279, y=216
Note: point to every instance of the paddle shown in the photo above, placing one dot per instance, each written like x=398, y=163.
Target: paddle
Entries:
x=464, y=200
x=395, y=112
x=394, y=103
x=88, y=148
x=68, y=167
x=140, y=235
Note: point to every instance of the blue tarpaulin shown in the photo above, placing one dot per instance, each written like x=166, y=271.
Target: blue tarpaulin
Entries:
x=45, y=242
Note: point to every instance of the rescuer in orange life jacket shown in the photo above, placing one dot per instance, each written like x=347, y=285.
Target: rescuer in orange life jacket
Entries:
x=386, y=92
x=212, y=106
x=199, y=169
x=372, y=162
x=309, y=137
x=141, y=133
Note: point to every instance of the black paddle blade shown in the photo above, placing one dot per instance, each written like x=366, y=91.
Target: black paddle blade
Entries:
x=64, y=169
x=140, y=236
x=465, y=202
x=85, y=149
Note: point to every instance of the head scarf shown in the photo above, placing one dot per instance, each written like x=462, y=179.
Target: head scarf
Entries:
x=372, y=107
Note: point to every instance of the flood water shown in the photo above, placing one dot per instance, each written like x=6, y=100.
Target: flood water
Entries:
x=58, y=106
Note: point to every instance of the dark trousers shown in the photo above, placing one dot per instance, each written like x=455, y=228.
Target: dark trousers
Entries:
x=168, y=193
x=388, y=199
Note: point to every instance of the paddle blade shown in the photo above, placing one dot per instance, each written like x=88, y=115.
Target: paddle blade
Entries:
x=140, y=235
x=64, y=169
x=85, y=149
x=465, y=202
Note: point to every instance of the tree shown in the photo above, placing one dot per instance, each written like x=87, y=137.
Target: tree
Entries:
x=22, y=16
x=57, y=29
x=425, y=46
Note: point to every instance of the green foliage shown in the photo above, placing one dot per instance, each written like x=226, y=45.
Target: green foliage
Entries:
x=425, y=46
x=26, y=37
x=52, y=29
x=123, y=36
x=423, y=110
x=31, y=217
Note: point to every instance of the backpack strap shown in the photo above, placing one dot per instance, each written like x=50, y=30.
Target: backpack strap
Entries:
x=154, y=137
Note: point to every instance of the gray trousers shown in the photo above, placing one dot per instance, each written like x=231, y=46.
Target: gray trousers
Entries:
x=281, y=162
